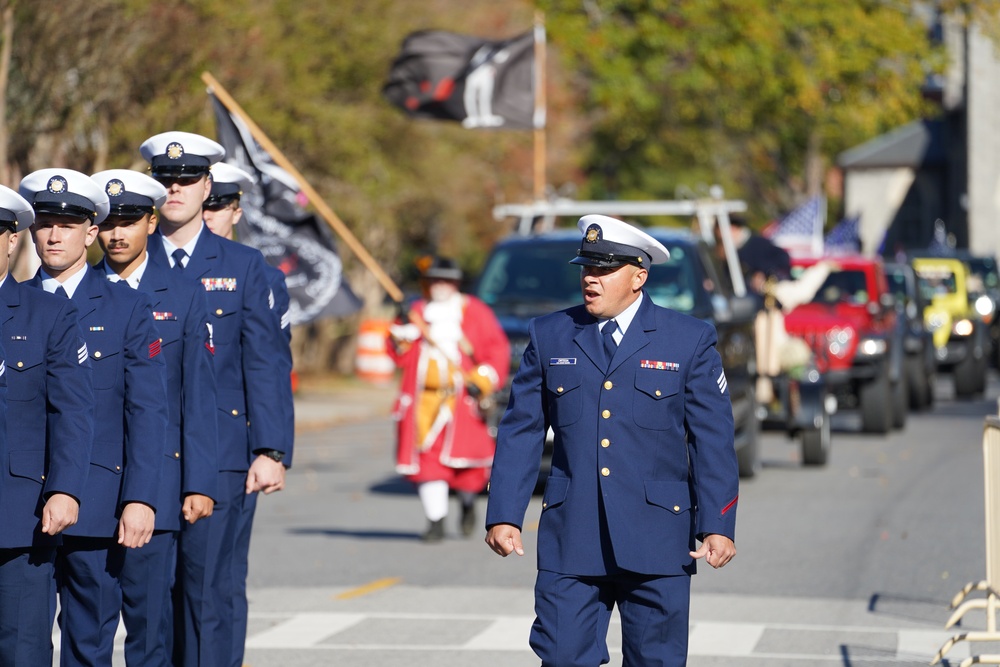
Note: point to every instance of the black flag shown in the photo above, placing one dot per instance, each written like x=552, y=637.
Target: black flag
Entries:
x=275, y=222
x=482, y=83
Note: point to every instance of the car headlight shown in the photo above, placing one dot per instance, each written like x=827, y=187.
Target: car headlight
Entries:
x=872, y=346
x=984, y=305
x=838, y=341
x=963, y=327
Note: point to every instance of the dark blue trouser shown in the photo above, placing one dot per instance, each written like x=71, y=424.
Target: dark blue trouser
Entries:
x=210, y=588
x=27, y=606
x=146, y=579
x=573, y=613
x=88, y=571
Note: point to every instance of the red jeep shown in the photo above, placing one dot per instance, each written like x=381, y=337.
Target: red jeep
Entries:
x=850, y=324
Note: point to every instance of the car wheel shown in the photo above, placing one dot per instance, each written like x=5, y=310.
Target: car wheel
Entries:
x=900, y=401
x=918, y=383
x=969, y=376
x=748, y=453
x=876, y=409
x=816, y=443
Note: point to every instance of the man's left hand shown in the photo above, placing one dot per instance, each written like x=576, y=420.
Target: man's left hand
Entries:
x=717, y=550
x=265, y=475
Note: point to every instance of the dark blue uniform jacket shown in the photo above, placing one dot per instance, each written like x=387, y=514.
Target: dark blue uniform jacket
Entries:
x=643, y=454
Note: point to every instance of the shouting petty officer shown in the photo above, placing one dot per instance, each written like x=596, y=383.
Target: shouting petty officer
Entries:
x=643, y=461
x=46, y=452
x=212, y=559
x=119, y=500
x=189, y=481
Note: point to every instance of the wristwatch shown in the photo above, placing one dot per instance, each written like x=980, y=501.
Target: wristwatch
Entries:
x=272, y=454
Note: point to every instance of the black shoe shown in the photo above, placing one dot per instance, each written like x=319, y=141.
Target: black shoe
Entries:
x=468, y=519
x=434, y=532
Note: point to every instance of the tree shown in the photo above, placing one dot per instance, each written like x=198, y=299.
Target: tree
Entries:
x=753, y=94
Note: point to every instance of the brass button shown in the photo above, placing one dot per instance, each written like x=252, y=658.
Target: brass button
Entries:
x=605, y=472
x=657, y=392
x=20, y=364
x=43, y=478
x=97, y=355
x=606, y=414
x=177, y=455
x=559, y=389
x=218, y=311
x=607, y=384
x=677, y=508
x=236, y=412
x=605, y=442
x=544, y=505
x=118, y=467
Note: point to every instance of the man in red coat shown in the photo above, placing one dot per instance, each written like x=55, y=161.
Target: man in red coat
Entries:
x=453, y=354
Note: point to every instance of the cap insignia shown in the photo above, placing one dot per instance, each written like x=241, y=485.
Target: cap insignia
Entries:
x=57, y=185
x=175, y=151
x=115, y=188
x=593, y=234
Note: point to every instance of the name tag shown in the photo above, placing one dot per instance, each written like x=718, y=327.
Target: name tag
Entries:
x=562, y=361
x=219, y=284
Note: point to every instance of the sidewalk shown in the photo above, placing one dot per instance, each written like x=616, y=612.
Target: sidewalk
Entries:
x=332, y=400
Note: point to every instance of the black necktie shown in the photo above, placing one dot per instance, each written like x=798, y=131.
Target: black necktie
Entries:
x=609, y=340
x=179, y=256
x=61, y=291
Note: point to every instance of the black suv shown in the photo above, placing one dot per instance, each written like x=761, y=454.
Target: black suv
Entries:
x=528, y=276
x=919, y=363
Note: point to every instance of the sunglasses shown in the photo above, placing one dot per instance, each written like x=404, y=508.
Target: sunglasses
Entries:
x=181, y=179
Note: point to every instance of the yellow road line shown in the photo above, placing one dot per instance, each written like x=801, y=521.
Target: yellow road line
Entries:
x=376, y=585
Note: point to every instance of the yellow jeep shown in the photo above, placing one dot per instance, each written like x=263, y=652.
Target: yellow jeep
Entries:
x=958, y=331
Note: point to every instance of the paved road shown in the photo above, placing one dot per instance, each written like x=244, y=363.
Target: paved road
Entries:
x=851, y=564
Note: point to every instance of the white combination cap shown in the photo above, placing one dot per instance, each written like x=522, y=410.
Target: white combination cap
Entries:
x=59, y=191
x=181, y=153
x=228, y=184
x=130, y=192
x=15, y=212
x=609, y=243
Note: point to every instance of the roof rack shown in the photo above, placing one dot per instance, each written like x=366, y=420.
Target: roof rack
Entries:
x=540, y=216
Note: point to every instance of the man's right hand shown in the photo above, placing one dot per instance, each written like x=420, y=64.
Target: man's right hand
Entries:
x=197, y=506
x=60, y=512
x=505, y=539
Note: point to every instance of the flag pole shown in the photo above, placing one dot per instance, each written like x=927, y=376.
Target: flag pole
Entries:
x=539, y=116
x=325, y=211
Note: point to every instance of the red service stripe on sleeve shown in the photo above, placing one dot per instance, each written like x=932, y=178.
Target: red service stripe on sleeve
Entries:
x=731, y=505
x=154, y=348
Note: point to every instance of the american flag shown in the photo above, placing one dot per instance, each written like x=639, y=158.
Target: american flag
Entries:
x=844, y=238
x=801, y=231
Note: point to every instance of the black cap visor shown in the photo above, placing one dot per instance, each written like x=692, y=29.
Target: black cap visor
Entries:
x=219, y=202
x=64, y=209
x=609, y=255
x=8, y=220
x=178, y=170
x=129, y=211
